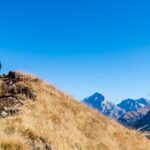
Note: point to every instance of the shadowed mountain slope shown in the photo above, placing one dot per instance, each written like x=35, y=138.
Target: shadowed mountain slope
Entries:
x=37, y=116
x=130, y=118
x=143, y=124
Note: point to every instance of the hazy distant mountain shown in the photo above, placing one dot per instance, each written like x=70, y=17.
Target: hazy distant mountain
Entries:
x=130, y=118
x=97, y=101
x=143, y=124
x=127, y=112
x=143, y=101
x=130, y=105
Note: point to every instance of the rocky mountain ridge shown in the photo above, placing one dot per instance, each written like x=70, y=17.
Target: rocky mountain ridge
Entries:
x=98, y=101
x=127, y=112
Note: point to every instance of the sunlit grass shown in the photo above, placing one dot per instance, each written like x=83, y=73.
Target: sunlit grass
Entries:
x=64, y=123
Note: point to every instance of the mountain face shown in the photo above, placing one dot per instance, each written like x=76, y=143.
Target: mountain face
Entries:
x=97, y=101
x=127, y=112
x=143, y=101
x=135, y=110
x=130, y=105
x=129, y=118
x=143, y=124
x=35, y=115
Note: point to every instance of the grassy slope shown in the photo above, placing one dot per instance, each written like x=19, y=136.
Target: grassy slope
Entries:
x=64, y=123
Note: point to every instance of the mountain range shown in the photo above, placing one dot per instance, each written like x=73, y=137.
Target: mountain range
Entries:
x=133, y=105
x=98, y=101
x=130, y=118
x=128, y=112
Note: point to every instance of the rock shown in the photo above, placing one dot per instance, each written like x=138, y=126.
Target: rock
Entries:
x=52, y=147
x=13, y=93
x=4, y=114
x=12, y=75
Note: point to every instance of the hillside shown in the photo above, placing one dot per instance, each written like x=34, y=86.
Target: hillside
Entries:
x=37, y=116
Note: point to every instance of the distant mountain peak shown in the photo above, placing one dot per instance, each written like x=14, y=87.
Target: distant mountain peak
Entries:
x=96, y=97
x=133, y=105
x=98, y=101
x=143, y=101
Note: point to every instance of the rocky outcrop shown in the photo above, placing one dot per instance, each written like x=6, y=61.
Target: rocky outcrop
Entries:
x=39, y=143
x=13, y=94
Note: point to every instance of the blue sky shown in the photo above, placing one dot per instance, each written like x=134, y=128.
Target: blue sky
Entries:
x=80, y=46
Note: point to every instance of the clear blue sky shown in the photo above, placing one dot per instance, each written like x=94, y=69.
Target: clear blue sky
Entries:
x=80, y=46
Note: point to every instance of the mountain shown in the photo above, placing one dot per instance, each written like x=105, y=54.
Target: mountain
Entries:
x=130, y=118
x=143, y=101
x=36, y=115
x=97, y=101
x=127, y=112
x=143, y=124
x=130, y=105
x=135, y=110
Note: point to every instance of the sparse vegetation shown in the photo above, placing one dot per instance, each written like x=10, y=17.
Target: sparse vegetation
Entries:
x=55, y=121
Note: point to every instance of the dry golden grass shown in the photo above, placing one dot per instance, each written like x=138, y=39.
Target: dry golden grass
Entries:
x=64, y=123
